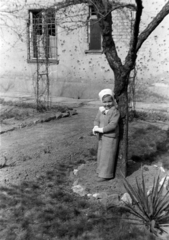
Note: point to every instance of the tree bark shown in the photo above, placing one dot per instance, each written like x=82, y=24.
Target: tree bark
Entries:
x=152, y=25
x=122, y=100
x=120, y=90
x=121, y=74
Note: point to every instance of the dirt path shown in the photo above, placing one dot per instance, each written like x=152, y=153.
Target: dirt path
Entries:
x=34, y=150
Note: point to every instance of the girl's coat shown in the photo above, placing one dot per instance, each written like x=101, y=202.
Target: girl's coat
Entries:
x=107, y=142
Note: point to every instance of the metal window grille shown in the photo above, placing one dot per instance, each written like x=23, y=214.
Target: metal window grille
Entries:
x=42, y=37
x=94, y=31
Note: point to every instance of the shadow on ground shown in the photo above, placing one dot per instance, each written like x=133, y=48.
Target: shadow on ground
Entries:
x=147, y=145
x=47, y=209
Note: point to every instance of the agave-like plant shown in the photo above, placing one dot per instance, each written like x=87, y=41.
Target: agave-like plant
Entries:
x=152, y=208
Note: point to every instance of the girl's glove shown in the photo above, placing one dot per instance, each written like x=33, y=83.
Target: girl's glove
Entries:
x=102, y=109
x=94, y=130
x=100, y=130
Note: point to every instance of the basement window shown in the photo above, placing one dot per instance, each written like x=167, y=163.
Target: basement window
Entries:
x=94, y=33
x=42, y=35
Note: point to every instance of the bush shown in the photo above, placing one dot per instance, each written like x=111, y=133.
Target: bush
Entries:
x=148, y=116
x=150, y=208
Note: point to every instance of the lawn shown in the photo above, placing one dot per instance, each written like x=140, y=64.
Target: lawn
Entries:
x=46, y=207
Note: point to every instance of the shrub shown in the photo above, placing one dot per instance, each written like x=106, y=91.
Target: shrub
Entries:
x=152, y=209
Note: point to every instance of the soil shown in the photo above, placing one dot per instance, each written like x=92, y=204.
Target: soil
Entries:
x=28, y=153
x=34, y=150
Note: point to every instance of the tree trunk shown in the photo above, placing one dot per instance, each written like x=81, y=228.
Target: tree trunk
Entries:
x=123, y=137
x=121, y=82
x=122, y=100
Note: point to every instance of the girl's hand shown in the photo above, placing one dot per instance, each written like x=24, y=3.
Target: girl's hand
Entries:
x=94, y=130
x=102, y=109
x=100, y=130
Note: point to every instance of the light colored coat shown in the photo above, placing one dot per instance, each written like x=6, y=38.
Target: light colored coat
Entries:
x=109, y=122
x=107, y=142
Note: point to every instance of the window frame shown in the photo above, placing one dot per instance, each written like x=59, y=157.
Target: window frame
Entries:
x=31, y=59
x=92, y=16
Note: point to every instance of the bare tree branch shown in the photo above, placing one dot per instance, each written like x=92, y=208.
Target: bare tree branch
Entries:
x=114, y=4
x=136, y=25
x=68, y=3
x=152, y=25
x=131, y=56
x=109, y=48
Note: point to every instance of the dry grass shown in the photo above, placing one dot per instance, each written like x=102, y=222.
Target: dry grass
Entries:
x=150, y=116
x=23, y=110
x=144, y=94
x=22, y=104
x=47, y=209
x=147, y=143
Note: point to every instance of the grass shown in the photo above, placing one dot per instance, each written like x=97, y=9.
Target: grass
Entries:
x=149, y=116
x=143, y=94
x=147, y=143
x=32, y=105
x=22, y=110
x=16, y=113
x=47, y=209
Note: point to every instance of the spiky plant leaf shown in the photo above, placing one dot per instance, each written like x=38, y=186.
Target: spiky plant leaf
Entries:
x=155, y=189
x=136, y=213
x=142, y=198
x=162, y=202
x=163, y=219
x=163, y=205
x=158, y=197
x=152, y=209
x=133, y=194
x=144, y=189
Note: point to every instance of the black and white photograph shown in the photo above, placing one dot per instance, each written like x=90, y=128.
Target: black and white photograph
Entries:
x=84, y=120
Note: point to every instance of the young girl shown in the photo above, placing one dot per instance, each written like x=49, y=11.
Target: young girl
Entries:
x=107, y=129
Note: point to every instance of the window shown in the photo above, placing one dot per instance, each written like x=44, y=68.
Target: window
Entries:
x=42, y=37
x=94, y=33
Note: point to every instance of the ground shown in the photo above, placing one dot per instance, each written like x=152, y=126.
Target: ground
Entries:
x=32, y=151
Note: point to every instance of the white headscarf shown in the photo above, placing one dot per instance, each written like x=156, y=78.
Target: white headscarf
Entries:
x=107, y=91
x=104, y=92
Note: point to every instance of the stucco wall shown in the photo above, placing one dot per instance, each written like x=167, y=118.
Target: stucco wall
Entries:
x=79, y=74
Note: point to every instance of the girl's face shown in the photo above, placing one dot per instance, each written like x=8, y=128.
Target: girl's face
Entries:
x=108, y=102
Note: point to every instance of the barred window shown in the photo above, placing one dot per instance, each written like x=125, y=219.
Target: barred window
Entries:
x=42, y=37
x=94, y=33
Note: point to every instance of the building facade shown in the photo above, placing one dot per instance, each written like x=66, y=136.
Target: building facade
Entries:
x=63, y=48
